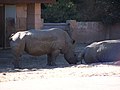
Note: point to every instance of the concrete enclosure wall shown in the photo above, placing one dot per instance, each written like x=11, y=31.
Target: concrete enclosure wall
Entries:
x=88, y=32
x=63, y=26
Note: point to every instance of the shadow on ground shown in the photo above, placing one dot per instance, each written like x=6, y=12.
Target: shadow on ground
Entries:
x=28, y=62
x=32, y=62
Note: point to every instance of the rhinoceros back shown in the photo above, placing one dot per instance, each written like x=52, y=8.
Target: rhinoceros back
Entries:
x=45, y=41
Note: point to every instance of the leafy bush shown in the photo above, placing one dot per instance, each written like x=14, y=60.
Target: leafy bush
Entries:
x=106, y=11
x=60, y=11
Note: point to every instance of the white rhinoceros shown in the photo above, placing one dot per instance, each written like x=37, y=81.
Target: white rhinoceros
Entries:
x=103, y=51
x=39, y=42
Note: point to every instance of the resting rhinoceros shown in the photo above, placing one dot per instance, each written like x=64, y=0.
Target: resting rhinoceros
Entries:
x=39, y=42
x=103, y=51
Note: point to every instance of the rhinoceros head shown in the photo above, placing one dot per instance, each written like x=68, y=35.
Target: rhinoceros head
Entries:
x=71, y=57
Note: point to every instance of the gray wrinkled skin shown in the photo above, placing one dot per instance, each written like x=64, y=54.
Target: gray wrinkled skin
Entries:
x=39, y=42
x=103, y=51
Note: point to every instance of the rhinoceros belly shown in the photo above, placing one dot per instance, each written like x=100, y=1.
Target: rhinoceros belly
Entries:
x=38, y=48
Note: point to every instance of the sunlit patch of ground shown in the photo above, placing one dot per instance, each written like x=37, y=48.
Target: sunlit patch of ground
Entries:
x=75, y=71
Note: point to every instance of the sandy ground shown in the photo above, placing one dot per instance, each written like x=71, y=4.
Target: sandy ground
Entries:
x=35, y=75
x=60, y=71
x=81, y=83
x=79, y=77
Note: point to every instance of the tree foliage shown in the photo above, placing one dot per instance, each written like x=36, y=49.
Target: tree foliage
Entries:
x=110, y=11
x=61, y=11
x=106, y=11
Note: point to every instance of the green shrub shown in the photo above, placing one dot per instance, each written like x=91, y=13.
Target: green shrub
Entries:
x=60, y=11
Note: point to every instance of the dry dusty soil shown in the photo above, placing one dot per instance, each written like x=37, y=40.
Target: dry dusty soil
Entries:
x=36, y=75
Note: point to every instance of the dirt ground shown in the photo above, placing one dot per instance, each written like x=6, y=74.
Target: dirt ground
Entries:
x=36, y=68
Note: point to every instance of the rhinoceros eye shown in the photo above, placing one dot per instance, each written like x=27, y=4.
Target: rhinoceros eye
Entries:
x=73, y=42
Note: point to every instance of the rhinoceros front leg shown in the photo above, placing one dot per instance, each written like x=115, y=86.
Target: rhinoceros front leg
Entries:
x=51, y=58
